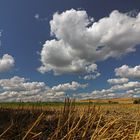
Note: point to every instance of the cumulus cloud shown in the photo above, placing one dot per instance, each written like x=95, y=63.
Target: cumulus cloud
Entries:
x=21, y=89
x=121, y=87
x=68, y=86
x=130, y=89
x=129, y=72
x=133, y=92
x=80, y=42
x=120, y=90
x=7, y=62
x=103, y=92
x=20, y=84
x=17, y=88
x=92, y=72
x=118, y=80
x=92, y=76
x=98, y=94
x=126, y=86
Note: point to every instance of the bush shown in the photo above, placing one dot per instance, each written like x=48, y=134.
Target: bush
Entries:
x=111, y=102
x=137, y=101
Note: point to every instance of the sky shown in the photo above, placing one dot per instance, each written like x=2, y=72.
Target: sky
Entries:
x=82, y=49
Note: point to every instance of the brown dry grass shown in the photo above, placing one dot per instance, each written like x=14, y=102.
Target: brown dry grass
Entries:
x=119, y=100
x=70, y=122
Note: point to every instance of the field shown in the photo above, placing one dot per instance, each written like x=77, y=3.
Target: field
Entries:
x=117, y=100
x=104, y=120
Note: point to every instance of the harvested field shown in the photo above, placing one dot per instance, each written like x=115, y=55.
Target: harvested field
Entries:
x=70, y=122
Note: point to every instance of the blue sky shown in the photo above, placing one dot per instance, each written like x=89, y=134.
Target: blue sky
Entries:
x=25, y=27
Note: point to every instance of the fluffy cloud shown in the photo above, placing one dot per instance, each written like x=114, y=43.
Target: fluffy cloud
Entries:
x=7, y=62
x=92, y=76
x=126, y=86
x=98, y=94
x=68, y=86
x=92, y=72
x=129, y=89
x=129, y=72
x=20, y=84
x=104, y=93
x=20, y=89
x=80, y=42
x=118, y=80
x=133, y=92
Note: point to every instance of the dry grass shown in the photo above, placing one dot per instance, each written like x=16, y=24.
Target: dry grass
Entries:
x=70, y=122
x=119, y=100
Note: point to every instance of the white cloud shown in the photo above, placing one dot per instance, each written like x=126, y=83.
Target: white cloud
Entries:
x=130, y=89
x=98, y=94
x=91, y=72
x=126, y=86
x=104, y=93
x=81, y=42
x=37, y=16
x=134, y=92
x=92, y=76
x=129, y=72
x=68, y=86
x=20, y=84
x=20, y=89
x=118, y=80
x=7, y=62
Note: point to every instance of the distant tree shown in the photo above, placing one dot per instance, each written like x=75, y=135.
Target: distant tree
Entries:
x=137, y=101
x=111, y=102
